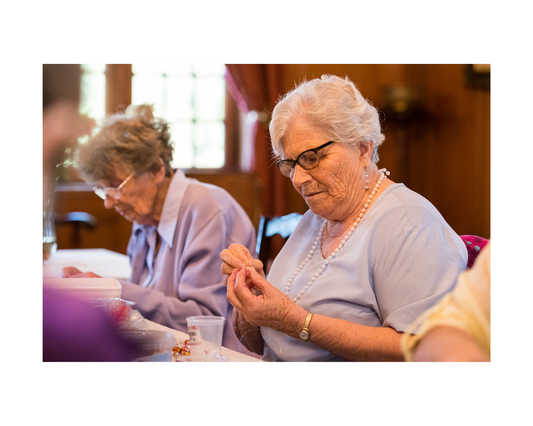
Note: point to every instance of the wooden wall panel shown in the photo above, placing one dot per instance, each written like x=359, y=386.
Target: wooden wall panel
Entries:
x=118, y=87
x=443, y=154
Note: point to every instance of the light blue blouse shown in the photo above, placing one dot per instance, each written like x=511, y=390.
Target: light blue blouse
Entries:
x=402, y=259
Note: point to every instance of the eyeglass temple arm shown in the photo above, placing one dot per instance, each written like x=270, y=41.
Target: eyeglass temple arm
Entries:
x=126, y=181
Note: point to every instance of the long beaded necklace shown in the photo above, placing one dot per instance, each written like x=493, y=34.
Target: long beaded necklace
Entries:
x=318, y=241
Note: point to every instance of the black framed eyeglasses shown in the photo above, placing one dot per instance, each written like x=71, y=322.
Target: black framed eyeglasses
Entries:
x=306, y=160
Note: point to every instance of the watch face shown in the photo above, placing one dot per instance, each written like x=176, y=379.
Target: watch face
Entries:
x=304, y=335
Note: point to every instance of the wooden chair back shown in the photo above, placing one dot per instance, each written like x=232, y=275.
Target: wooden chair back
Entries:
x=244, y=187
x=271, y=226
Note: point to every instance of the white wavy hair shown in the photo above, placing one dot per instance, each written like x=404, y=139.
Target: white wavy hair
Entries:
x=332, y=104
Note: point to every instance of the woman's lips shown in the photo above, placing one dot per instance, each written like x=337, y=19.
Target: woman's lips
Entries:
x=311, y=194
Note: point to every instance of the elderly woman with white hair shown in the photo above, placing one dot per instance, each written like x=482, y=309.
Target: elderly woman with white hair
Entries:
x=179, y=227
x=366, y=259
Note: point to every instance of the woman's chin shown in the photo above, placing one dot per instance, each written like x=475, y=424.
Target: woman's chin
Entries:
x=316, y=209
x=128, y=215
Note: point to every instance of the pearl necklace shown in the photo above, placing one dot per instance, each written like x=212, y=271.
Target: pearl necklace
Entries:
x=318, y=241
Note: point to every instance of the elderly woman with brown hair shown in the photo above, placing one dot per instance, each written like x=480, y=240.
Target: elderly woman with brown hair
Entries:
x=179, y=224
x=364, y=261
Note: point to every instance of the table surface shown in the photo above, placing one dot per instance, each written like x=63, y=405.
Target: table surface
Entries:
x=106, y=263
x=231, y=355
x=109, y=264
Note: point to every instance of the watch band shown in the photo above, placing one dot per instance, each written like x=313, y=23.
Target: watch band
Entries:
x=304, y=333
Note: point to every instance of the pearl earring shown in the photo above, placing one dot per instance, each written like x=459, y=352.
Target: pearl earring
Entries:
x=367, y=187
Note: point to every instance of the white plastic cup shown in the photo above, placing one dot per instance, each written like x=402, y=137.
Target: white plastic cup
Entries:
x=205, y=335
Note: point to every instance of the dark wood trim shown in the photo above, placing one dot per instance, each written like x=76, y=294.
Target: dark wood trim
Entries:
x=118, y=87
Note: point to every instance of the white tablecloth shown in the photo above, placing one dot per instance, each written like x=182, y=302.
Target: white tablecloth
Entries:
x=231, y=355
x=106, y=263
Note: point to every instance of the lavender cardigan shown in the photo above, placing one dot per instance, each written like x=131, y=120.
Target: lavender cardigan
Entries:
x=198, y=221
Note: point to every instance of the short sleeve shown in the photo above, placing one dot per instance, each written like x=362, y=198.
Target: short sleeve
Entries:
x=466, y=308
x=414, y=271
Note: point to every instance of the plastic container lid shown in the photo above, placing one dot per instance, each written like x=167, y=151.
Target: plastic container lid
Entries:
x=85, y=288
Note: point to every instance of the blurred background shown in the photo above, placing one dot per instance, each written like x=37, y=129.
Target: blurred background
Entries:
x=435, y=117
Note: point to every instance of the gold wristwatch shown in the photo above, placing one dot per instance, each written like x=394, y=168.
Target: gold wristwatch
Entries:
x=304, y=333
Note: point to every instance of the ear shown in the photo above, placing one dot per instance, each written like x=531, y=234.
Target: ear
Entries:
x=366, y=148
x=159, y=176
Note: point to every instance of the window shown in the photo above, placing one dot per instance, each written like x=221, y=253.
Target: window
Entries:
x=92, y=101
x=191, y=97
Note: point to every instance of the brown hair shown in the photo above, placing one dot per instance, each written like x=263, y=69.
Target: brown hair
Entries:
x=135, y=139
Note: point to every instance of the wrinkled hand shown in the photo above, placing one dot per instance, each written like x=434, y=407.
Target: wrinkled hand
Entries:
x=271, y=308
x=236, y=256
x=72, y=272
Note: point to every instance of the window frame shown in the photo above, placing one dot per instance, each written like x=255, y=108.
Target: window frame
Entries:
x=118, y=96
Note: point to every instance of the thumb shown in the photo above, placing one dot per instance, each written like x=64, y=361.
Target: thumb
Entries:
x=257, y=279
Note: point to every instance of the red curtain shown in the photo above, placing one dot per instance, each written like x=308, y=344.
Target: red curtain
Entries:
x=256, y=89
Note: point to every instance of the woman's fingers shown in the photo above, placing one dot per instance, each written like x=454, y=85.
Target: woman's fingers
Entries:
x=86, y=275
x=258, y=266
x=230, y=294
x=230, y=261
x=258, y=280
x=246, y=288
x=242, y=253
x=234, y=251
x=236, y=256
x=226, y=269
x=70, y=271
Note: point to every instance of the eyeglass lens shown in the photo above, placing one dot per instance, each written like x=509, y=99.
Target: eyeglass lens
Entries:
x=307, y=160
x=111, y=192
x=104, y=192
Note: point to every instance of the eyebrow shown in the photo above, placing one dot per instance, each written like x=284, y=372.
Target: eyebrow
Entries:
x=324, y=145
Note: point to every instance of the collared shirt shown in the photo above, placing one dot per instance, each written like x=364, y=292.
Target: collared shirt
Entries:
x=197, y=222
x=402, y=258
x=165, y=229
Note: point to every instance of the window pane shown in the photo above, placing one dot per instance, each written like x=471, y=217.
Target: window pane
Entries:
x=146, y=69
x=177, y=70
x=192, y=98
x=92, y=100
x=209, y=141
x=183, y=146
x=93, y=68
x=148, y=89
x=210, y=96
x=209, y=69
x=179, y=96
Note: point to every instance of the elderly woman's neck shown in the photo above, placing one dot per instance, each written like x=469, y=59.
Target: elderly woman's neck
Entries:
x=338, y=228
x=160, y=198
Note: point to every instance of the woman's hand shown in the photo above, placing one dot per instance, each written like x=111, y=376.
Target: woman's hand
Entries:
x=72, y=272
x=271, y=308
x=236, y=256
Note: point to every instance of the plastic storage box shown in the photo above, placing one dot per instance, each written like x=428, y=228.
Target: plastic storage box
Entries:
x=85, y=288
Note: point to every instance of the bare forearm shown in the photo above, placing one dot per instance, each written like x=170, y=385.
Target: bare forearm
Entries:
x=355, y=342
x=448, y=344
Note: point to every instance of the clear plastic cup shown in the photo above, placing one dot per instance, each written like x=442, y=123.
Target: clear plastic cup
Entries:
x=205, y=335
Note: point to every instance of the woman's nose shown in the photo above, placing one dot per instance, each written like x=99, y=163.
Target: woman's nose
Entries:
x=109, y=202
x=300, y=176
